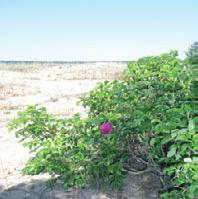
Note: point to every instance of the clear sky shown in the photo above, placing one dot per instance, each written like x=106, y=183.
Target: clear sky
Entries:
x=95, y=29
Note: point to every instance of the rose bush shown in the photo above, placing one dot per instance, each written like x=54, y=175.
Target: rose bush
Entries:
x=150, y=108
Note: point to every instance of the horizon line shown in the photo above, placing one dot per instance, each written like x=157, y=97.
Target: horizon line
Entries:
x=59, y=61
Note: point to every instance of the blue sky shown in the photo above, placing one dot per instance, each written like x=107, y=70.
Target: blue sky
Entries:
x=95, y=29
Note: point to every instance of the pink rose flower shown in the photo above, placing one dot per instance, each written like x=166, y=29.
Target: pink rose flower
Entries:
x=105, y=128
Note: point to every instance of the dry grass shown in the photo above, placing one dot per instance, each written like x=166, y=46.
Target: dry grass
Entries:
x=55, y=87
x=22, y=67
x=91, y=74
x=10, y=108
x=7, y=91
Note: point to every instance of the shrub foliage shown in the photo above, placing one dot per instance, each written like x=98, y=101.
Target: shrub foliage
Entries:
x=151, y=107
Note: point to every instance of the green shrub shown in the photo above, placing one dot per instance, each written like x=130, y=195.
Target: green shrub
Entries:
x=192, y=53
x=153, y=102
x=71, y=148
x=149, y=108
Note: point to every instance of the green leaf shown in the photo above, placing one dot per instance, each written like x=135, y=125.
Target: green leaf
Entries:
x=166, y=139
x=172, y=151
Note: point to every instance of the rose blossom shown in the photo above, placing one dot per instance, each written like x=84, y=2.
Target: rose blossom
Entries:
x=105, y=128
